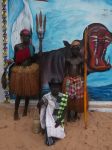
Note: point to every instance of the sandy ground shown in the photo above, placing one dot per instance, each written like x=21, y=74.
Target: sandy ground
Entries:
x=18, y=135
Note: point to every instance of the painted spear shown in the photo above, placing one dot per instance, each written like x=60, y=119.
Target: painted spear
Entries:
x=40, y=28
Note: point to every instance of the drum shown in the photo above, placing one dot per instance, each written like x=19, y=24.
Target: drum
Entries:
x=24, y=81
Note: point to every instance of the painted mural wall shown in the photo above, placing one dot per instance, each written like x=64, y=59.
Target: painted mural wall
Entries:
x=66, y=20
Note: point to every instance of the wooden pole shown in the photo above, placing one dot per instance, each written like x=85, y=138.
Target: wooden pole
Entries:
x=85, y=76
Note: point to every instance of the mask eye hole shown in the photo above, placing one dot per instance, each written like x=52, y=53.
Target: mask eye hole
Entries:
x=75, y=47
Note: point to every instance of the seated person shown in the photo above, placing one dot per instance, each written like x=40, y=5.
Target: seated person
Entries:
x=52, y=113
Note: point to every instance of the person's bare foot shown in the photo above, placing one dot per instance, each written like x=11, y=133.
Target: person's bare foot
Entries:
x=16, y=116
x=77, y=116
x=24, y=114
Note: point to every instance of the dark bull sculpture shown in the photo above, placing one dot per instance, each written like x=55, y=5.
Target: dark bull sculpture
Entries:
x=52, y=63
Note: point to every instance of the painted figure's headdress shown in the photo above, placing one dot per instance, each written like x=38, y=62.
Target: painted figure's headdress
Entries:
x=25, y=32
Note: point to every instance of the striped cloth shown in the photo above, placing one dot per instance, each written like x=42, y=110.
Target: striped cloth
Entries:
x=74, y=87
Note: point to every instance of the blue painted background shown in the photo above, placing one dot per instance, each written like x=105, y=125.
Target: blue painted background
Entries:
x=66, y=20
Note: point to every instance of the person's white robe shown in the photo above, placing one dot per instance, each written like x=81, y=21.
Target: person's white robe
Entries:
x=47, y=120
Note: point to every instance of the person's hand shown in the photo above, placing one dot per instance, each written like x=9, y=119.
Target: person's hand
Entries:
x=57, y=123
x=39, y=104
x=42, y=102
x=26, y=63
x=9, y=61
x=40, y=54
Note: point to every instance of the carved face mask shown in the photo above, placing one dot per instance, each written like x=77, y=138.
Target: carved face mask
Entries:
x=75, y=50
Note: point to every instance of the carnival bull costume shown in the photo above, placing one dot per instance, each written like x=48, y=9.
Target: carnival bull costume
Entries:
x=52, y=64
